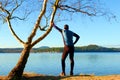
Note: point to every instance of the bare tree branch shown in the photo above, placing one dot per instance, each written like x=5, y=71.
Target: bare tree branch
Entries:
x=50, y=26
x=44, y=28
x=4, y=10
x=14, y=34
x=15, y=8
x=38, y=21
x=72, y=9
x=7, y=18
x=17, y=5
x=16, y=17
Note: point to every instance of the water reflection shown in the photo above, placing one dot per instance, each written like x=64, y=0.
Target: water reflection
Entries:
x=93, y=58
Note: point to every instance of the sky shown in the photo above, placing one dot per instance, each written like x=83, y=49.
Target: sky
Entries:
x=96, y=30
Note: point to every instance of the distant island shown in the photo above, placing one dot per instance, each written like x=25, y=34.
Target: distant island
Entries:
x=89, y=48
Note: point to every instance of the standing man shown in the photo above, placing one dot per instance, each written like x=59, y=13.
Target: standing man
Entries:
x=68, y=46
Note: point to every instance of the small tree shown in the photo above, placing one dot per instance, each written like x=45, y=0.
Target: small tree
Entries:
x=8, y=9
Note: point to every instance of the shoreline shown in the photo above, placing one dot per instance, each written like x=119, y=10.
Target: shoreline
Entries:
x=34, y=76
x=88, y=48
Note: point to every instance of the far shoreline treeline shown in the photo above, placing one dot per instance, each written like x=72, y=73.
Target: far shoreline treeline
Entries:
x=89, y=48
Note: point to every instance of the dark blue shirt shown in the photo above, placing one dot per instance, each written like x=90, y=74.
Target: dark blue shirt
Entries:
x=68, y=37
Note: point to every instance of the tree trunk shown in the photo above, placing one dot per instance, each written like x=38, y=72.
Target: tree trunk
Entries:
x=17, y=71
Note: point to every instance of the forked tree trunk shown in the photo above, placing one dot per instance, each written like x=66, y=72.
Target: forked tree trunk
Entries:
x=17, y=71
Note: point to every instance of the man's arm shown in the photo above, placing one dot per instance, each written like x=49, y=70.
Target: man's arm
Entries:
x=60, y=30
x=77, y=38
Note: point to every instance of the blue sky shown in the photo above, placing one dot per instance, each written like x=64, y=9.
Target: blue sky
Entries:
x=96, y=30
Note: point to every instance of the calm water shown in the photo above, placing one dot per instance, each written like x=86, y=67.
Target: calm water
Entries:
x=50, y=64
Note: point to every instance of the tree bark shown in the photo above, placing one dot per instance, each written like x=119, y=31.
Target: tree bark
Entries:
x=17, y=71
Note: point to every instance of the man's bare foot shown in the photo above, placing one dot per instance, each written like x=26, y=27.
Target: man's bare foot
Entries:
x=62, y=74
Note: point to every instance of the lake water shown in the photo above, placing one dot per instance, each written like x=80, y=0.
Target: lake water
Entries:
x=50, y=64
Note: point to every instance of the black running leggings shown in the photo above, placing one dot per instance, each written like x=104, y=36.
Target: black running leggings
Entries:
x=68, y=50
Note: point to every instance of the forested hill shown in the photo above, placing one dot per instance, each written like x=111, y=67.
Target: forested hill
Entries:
x=89, y=48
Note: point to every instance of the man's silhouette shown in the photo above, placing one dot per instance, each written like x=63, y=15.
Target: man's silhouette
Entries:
x=68, y=46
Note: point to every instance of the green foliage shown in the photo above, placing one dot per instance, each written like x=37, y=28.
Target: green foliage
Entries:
x=95, y=48
x=57, y=49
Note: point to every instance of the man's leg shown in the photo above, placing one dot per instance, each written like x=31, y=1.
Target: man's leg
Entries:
x=71, y=60
x=64, y=55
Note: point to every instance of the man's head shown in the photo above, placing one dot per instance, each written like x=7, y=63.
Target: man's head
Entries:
x=66, y=27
